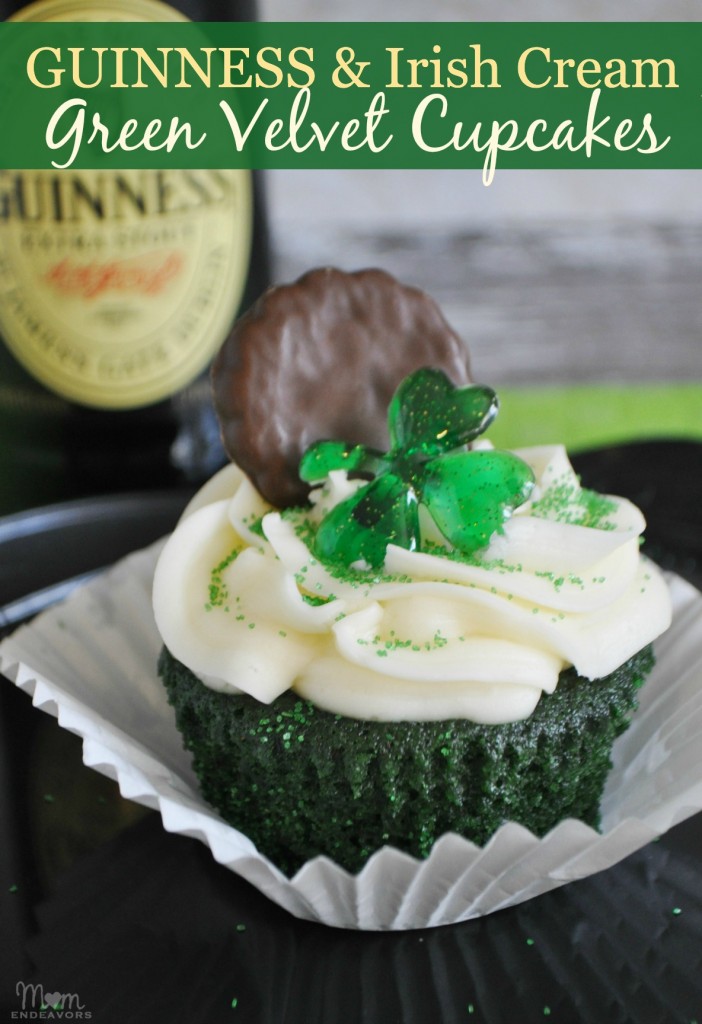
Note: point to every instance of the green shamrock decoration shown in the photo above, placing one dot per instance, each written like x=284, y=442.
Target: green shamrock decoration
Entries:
x=468, y=494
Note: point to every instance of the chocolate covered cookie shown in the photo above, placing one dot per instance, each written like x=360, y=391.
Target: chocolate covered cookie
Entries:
x=321, y=358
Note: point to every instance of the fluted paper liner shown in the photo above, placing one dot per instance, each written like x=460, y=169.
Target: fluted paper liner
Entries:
x=92, y=662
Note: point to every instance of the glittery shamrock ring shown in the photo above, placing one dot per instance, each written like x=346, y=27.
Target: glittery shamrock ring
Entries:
x=468, y=494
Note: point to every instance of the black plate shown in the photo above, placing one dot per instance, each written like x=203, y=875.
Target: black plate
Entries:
x=46, y=551
x=145, y=926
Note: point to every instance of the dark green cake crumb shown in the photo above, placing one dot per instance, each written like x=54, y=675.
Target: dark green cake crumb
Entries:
x=300, y=781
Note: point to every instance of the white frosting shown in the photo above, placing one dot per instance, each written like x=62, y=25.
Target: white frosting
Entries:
x=432, y=638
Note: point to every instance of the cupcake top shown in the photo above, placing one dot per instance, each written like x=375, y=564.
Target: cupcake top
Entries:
x=418, y=573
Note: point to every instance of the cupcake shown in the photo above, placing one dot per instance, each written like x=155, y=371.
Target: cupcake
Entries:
x=377, y=628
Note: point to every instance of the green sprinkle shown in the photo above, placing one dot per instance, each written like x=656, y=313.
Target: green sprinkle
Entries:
x=530, y=942
x=314, y=600
x=235, y=1003
x=471, y=1008
x=49, y=798
x=547, y=1011
x=565, y=502
x=677, y=911
x=252, y=625
x=557, y=581
x=257, y=526
x=241, y=927
x=281, y=632
x=218, y=592
x=13, y=888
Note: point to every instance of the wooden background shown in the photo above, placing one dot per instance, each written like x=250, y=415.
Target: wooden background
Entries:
x=570, y=302
x=551, y=277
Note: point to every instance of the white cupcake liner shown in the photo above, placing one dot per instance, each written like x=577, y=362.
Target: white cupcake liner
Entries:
x=91, y=662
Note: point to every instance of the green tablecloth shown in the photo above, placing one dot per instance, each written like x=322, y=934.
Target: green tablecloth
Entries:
x=589, y=416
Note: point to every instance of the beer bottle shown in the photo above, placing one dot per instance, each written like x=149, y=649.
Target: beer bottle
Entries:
x=116, y=290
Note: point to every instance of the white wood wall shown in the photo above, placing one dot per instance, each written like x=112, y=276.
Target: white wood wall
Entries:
x=550, y=276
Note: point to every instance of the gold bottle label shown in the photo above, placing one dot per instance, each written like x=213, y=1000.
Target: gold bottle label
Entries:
x=117, y=287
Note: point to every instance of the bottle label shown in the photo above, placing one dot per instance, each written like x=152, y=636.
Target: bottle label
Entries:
x=98, y=10
x=117, y=287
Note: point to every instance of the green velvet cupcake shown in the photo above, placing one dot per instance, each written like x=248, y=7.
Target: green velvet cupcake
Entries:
x=300, y=781
x=381, y=606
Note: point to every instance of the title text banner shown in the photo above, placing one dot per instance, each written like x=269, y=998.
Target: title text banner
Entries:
x=435, y=95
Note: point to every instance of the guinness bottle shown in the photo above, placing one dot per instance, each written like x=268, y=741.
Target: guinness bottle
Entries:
x=116, y=290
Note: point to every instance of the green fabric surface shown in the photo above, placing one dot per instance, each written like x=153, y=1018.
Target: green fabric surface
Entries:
x=589, y=416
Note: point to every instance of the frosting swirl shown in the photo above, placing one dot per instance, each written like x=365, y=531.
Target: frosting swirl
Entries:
x=437, y=635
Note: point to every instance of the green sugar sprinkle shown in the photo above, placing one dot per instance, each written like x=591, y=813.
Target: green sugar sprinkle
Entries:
x=315, y=601
x=241, y=927
x=397, y=644
x=559, y=581
x=218, y=590
x=257, y=526
x=565, y=502
x=49, y=798
x=235, y=1003
x=530, y=942
x=13, y=888
x=304, y=528
x=677, y=911
x=475, y=559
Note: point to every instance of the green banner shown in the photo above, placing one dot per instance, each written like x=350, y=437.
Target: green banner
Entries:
x=405, y=95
